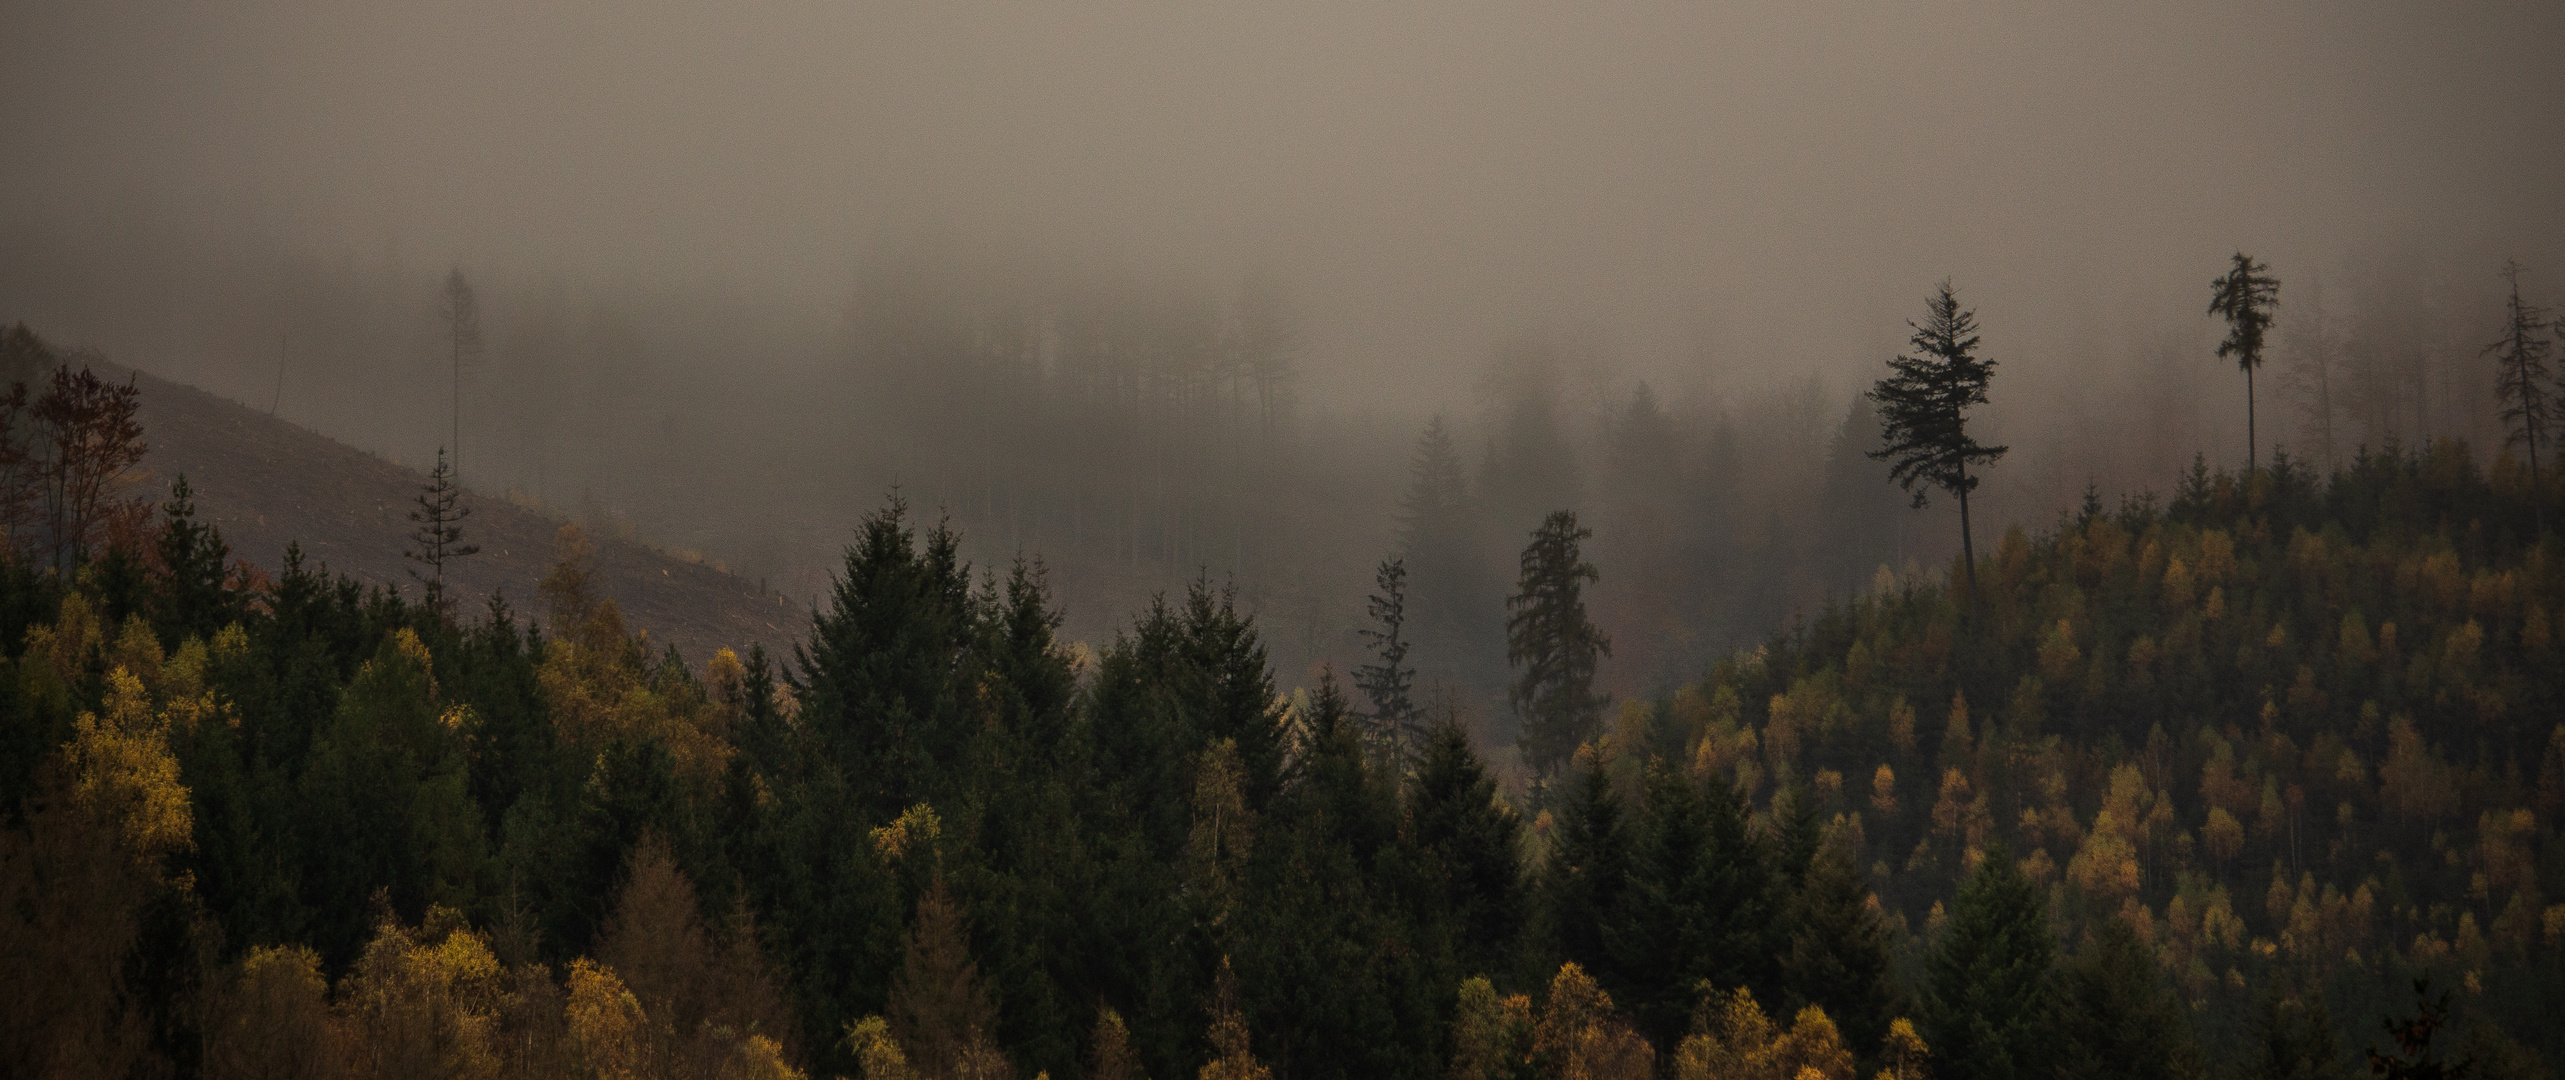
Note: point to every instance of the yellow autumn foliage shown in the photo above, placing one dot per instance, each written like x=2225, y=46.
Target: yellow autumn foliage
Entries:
x=126, y=773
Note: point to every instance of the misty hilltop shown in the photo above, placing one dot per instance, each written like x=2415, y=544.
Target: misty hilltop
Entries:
x=268, y=484
x=1444, y=540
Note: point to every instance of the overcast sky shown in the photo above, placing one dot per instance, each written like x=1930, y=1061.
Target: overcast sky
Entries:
x=1751, y=188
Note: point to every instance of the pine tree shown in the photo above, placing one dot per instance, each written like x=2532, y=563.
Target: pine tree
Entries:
x=1838, y=957
x=1588, y=865
x=1390, y=685
x=1472, y=843
x=1450, y=597
x=2314, y=355
x=1699, y=904
x=1658, y=934
x=2293, y=1039
x=1553, y=647
x=1987, y=997
x=193, y=599
x=439, y=536
x=881, y=671
x=2245, y=297
x=2521, y=382
x=2115, y=1016
x=1860, y=518
x=1923, y=413
x=460, y=315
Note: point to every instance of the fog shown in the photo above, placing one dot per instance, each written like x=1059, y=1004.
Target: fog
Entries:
x=744, y=266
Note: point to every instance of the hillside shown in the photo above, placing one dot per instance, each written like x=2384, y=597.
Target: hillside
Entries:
x=267, y=483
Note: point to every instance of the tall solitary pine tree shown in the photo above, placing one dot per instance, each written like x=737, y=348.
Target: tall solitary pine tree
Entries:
x=1923, y=413
x=1390, y=685
x=460, y=316
x=2521, y=382
x=2245, y=297
x=439, y=536
x=1553, y=647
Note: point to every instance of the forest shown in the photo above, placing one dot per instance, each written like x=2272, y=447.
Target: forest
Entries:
x=2259, y=779
x=1281, y=541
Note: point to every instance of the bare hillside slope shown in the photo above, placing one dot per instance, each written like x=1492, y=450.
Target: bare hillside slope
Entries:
x=267, y=482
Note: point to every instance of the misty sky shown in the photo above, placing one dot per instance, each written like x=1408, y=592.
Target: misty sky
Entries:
x=1716, y=190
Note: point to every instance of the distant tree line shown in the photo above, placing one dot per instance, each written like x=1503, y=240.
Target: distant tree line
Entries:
x=2224, y=779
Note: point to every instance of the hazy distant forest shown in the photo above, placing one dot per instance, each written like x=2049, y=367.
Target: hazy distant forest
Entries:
x=1136, y=432
x=2249, y=772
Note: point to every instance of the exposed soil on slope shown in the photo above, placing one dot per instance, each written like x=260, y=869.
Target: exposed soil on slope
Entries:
x=266, y=483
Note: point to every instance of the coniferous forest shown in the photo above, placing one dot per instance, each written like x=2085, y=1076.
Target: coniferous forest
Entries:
x=1428, y=540
x=2260, y=778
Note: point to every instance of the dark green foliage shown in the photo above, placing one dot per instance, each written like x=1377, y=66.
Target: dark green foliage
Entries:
x=882, y=677
x=1838, y=956
x=194, y=598
x=1334, y=977
x=1988, y=1005
x=388, y=758
x=1554, y=648
x=1588, y=865
x=1390, y=684
x=1470, y=844
x=2115, y=1016
x=1700, y=905
x=2293, y=1039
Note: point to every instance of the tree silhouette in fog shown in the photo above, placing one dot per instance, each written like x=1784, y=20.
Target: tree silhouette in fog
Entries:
x=2245, y=297
x=2521, y=383
x=1553, y=647
x=1923, y=412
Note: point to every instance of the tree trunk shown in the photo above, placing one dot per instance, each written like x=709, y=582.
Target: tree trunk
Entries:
x=1967, y=545
x=2250, y=461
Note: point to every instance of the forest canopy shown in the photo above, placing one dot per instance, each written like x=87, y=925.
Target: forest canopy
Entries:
x=2219, y=778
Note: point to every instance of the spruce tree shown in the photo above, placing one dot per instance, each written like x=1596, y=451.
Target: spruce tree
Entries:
x=461, y=315
x=1588, y=864
x=1554, y=648
x=193, y=597
x=2293, y=1039
x=1390, y=685
x=1697, y=907
x=1450, y=595
x=1987, y=998
x=1838, y=956
x=2245, y=297
x=881, y=673
x=2116, y=1018
x=439, y=537
x=1923, y=413
x=2522, y=385
x=1472, y=846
